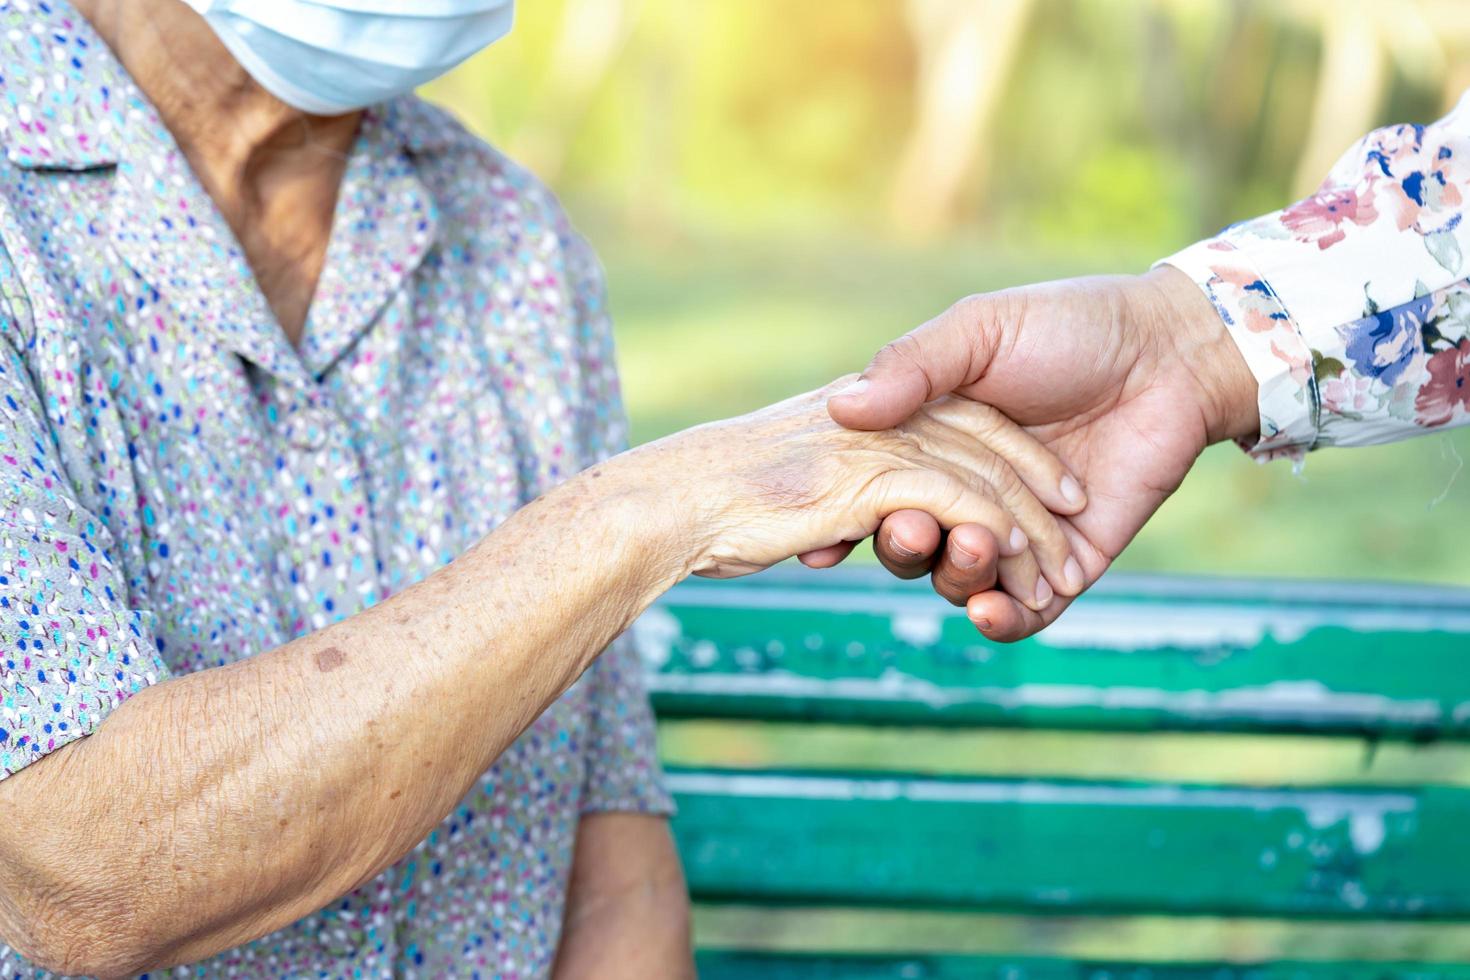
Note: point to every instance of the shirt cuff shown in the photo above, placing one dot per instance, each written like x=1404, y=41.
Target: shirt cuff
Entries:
x=1270, y=340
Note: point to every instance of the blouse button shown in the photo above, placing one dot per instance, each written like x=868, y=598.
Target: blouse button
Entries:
x=307, y=429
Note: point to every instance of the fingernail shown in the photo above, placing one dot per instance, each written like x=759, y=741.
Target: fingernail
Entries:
x=899, y=549
x=1018, y=541
x=856, y=388
x=983, y=625
x=962, y=558
x=1043, y=592
x=1071, y=490
x=1072, y=572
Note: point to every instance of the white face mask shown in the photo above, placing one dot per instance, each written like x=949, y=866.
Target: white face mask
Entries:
x=334, y=56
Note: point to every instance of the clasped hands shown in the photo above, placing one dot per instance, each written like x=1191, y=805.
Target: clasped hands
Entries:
x=1010, y=448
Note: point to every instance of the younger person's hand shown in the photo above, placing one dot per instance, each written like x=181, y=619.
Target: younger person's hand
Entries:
x=1125, y=378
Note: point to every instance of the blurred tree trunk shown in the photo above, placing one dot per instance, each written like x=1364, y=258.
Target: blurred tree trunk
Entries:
x=593, y=34
x=662, y=58
x=1448, y=21
x=1363, y=44
x=1351, y=85
x=965, y=51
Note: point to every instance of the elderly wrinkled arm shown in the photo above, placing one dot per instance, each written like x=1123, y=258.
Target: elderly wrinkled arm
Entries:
x=208, y=809
x=215, y=807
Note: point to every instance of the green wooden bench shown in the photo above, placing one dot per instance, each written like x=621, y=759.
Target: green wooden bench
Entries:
x=1140, y=654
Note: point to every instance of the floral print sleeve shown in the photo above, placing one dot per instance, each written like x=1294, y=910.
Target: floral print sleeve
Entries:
x=1352, y=307
x=71, y=646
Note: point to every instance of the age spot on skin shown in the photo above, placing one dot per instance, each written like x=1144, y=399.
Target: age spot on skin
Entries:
x=329, y=659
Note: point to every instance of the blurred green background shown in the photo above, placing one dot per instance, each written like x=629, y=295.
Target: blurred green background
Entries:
x=778, y=187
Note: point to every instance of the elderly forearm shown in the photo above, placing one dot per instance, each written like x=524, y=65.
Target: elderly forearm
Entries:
x=217, y=807
x=260, y=791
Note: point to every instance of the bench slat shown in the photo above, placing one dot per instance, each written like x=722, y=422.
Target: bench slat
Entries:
x=1047, y=846
x=733, y=965
x=1135, y=653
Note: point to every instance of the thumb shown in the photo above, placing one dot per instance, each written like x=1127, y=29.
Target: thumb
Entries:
x=926, y=363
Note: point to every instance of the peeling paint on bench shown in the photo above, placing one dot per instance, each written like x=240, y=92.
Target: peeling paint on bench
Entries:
x=1128, y=660
x=1139, y=654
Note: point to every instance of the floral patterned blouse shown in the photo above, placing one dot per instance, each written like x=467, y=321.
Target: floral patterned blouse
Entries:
x=181, y=488
x=1352, y=307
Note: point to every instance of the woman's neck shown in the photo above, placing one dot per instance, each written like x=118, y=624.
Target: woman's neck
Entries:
x=272, y=170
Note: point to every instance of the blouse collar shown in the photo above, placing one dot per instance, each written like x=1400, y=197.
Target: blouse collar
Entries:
x=67, y=103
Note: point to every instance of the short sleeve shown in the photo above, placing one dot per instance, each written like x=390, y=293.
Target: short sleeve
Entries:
x=1352, y=307
x=623, y=773
x=601, y=423
x=72, y=647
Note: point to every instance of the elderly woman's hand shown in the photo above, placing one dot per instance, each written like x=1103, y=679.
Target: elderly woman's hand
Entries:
x=787, y=480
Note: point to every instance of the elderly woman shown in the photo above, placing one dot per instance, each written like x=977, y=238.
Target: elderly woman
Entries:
x=266, y=361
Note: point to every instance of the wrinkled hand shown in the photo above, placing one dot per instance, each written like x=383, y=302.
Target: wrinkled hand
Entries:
x=787, y=479
x=1126, y=379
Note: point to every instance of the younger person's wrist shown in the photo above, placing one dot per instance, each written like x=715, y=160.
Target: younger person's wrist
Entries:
x=1191, y=327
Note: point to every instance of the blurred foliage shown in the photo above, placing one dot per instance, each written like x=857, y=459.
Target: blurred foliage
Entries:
x=1146, y=122
x=738, y=164
x=772, y=206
